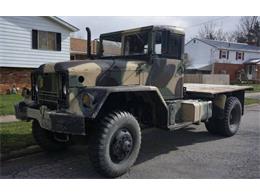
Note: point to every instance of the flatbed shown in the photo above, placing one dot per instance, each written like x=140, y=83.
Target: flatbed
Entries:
x=212, y=89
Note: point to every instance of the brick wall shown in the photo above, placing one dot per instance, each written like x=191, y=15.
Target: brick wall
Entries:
x=20, y=77
x=231, y=69
x=78, y=45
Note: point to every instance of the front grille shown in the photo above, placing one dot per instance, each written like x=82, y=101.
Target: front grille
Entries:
x=48, y=98
x=49, y=91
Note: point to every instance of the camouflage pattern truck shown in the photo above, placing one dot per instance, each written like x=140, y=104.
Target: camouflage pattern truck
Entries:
x=110, y=97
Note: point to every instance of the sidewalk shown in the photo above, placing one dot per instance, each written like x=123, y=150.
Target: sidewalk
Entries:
x=8, y=118
x=253, y=95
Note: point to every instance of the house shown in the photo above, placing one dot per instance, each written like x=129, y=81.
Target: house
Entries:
x=252, y=67
x=219, y=57
x=28, y=42
x=78, y=48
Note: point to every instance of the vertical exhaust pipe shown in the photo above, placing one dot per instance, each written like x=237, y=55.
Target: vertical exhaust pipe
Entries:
x=89, y=55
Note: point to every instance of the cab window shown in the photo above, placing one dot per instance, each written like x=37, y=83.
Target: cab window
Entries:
x=169, y=45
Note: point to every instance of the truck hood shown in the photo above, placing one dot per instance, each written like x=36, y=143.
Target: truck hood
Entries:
x=94, y=72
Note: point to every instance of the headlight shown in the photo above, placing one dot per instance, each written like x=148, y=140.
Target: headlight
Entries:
x=36, y=88
x=87, y=100
x=64, y=90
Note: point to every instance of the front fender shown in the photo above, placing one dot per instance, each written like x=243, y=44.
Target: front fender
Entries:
x=101, y=95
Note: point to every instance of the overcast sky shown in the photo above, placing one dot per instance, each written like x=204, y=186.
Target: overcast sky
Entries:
x=191, y=24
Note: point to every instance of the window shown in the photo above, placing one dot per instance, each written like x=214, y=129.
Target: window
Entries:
x=45, y=40
x=175, y=45
x=223, y=54
x=250, y=69
x=111, y=48
x=239, y=55
x=136, y=44
x=158, y=43
x=169, y=44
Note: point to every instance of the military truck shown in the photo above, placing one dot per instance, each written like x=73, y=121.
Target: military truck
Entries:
x=109, y=97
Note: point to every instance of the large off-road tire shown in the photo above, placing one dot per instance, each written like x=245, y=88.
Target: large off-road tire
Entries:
x=232, y=117
x=48, y=140
x=229, y=124
x=115, y=143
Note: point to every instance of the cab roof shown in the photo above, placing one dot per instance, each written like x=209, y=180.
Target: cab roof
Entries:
x=117, y=34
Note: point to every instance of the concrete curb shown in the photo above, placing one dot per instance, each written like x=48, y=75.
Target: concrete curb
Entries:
x=8, y=118
x=251, y=105
x=20, y=153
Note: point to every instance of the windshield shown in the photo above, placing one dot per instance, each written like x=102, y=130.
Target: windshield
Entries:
x=136, y=44
x=124, y=45
x=111, y=48
x=140, y=44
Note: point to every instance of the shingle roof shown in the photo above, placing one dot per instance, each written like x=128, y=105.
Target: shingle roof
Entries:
x=255, y=61
x=64, y=23
x=231, y=45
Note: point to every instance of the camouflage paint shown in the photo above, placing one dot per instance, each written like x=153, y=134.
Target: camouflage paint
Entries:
x=159, y=74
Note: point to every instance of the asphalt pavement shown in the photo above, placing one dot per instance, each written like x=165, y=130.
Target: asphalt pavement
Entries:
x=187, y=153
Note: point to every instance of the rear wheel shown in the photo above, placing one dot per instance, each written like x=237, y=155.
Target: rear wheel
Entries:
x=232, y=117
x=115, y=143
x=229, y=124
x=49, y=141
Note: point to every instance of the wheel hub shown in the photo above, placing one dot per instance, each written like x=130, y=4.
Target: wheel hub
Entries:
x=121, y=145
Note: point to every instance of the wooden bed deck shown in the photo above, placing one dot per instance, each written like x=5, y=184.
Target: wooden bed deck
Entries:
x=213, y=89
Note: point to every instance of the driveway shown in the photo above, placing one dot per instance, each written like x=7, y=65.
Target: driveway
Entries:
x=186, y=153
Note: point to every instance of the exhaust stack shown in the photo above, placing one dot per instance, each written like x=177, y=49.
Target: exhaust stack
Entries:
x=89, y=55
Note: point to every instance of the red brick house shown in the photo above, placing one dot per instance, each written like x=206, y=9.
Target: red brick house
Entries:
x=219, y=57
x=78, y=48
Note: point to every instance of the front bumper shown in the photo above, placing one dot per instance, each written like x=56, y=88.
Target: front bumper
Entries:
x=52, y=120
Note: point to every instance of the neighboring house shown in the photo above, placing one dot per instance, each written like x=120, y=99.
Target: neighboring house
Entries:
x=28, y=42
x=78, y=48
x=219, y=57
x=252, y=67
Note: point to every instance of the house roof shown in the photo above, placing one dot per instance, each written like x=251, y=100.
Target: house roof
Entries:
x=229, y=45
x=63, y=23
x=255, y=61
x=206, y=67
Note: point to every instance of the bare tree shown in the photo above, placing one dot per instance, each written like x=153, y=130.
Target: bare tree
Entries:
x=212, y=31
x=248, y=30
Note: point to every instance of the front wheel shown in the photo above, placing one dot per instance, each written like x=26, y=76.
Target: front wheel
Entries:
x=115, y=143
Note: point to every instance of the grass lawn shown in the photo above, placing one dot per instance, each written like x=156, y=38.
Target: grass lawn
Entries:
x=251, y=101
x=256, y=88
x=7, y=103
x=15, y=136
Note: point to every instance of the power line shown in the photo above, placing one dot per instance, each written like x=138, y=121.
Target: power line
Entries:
x=212, y=20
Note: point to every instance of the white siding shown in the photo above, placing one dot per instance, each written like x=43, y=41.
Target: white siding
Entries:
x=199, y=53
x=232, y=57
x=16, y=42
